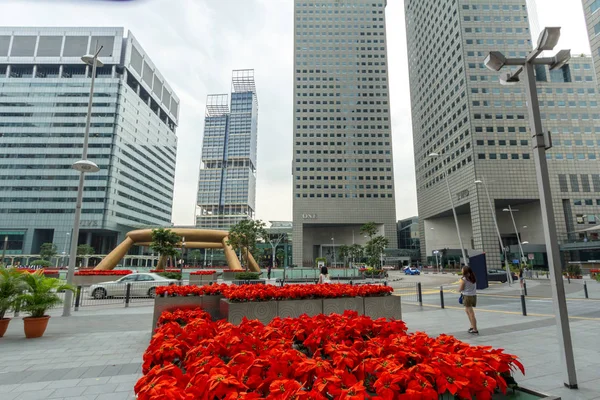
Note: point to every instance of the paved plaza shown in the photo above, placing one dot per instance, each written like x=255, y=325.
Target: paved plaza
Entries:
x=96, y=354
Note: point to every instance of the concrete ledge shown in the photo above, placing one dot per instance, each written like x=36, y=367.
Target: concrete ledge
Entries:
x=202, y=279
x=295, y=308
x=383, y=307
x=338, y=306
x=162, y=304
x=89, y=280
x=264, y=311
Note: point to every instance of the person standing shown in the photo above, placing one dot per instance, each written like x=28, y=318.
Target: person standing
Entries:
x=324, y=277
x=269, y=271
x=521, y=277
x=468, y=289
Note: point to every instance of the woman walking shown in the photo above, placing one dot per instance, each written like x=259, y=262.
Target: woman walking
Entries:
x=468, y=289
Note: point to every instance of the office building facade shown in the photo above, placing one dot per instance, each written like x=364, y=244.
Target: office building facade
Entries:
x=343, y=164
x=227, y=181
x=44, y=91
x=481, y=131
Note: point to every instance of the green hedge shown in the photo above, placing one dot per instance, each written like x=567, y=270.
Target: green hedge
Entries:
x=42, y=263
x=171, y=275
x=247, y=276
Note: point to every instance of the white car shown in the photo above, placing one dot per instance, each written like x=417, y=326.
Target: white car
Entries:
x=142, y=285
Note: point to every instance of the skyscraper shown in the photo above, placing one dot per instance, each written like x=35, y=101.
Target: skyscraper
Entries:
x=480, y=130
x=343, y=164
x=44, y=90
x=227, y=182
x=592, y=17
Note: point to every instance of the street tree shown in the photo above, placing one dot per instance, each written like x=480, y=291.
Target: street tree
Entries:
x=47, y=251
x=369, y=229
x=164, y=242
x=356, y=253
x=244, y=235
x=344, y=252
x=195, y=255
x=83, y=252
x=374, y=249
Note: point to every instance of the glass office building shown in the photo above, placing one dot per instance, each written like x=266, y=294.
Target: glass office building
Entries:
x=343, y=163
x=44, y=91
x=227, y=181
x=480, y=129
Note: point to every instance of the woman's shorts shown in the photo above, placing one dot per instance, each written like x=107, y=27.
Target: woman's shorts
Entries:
x=470, y=301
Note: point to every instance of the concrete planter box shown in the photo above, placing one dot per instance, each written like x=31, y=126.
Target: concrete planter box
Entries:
x=338, y=306
x=202, y=279
x=162, y=304
x=295, y=308
x=517, y=394
x=383, y=307
x=229, y=276
x=212, y=305
x=56, y=275
x=264, y=311
x=88, y=280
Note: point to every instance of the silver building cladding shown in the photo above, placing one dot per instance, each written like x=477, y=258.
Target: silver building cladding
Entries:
x=481, y=131
x=343, y=164
x=227, y=180
x=44, y=90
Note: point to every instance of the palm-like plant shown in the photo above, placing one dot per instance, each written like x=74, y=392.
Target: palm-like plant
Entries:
x=11, y=286
x=40, y=293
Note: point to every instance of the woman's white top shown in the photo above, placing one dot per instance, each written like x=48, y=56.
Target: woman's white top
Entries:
x=470, y=288
x=325, y=278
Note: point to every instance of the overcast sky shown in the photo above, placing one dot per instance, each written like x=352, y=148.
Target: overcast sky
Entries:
x=197, y=43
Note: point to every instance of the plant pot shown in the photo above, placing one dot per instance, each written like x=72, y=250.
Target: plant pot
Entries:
x=35, y=327
x=4, y=325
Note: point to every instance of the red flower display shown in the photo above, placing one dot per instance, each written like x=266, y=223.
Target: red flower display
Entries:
x=165, y=270
x=313, y=358
x=203, y=273
x=191, y=290
x=245, y=293
x=93, y=272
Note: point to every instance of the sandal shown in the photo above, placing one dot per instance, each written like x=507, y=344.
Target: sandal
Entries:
x=474, y=332
x=470, y=330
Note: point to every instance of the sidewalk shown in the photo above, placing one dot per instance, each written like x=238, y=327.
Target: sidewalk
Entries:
x=96, y=353
x=532, y=339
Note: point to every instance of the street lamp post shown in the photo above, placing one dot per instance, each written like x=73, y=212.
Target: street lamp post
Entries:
x=84, y=165
x=4, y=249
x=495, y=61
x=512, y=216
x=493, y=211
x=462, y=248
x=182, y=256
x=64, y=252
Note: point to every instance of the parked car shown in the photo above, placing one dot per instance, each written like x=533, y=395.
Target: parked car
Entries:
x=499, y=275
x=412, y=271
x=142, y=285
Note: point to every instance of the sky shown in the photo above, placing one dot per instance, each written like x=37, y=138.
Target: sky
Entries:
x=197, y=43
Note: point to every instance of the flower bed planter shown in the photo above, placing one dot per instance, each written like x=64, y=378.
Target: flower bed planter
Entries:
x=383, y=307
x=234, y=312
x=202, y=279
x=89, y=280
x=338, y=306
x=295, y=308
x=162, y=304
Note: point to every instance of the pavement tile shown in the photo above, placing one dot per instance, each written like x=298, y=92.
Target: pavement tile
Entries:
x=7, y=388
x=114, y=396
x=66, y=383
x=100, y=389
x=32, y=386
x=67, y=392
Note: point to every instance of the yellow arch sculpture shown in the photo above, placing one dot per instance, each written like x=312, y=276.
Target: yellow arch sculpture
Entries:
x=194, y=238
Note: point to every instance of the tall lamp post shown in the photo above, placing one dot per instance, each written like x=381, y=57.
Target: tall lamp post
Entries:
x=462, y=248
x=64, y=252
x=4, y=247
x=495, y=61
x=84, y=165
x=512, y=216
x=493, y=211
x=333, y=241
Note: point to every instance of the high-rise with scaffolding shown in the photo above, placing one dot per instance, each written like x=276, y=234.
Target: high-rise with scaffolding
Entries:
x=227, y=182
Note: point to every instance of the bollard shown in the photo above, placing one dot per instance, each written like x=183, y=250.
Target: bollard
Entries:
x=127, y=294
x=537, y=275
x=569, y=279
x=77, y=298
x=442, y=296
x=420, y=294
x=523, y=306
x=525, y=287
x=585, y=290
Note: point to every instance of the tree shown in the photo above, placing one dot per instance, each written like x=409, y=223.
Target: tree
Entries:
x=84, y=250
x=369, y=229
x=47, y=251
x=164, y=242
x=375, y=248
x=244, y=235
x=344, y=252
x=280, y=258
x=356, y=252
x=195, y=255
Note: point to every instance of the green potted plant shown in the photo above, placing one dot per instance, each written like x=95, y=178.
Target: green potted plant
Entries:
x=40, y=295
x=11, y=285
